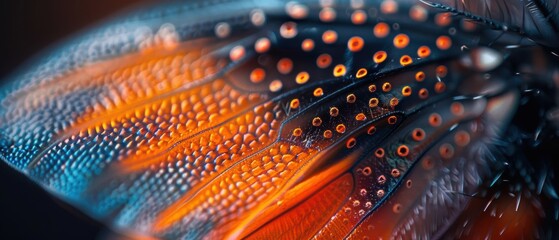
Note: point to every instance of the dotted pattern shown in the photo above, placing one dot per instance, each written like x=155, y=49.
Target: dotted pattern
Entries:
x=186, y=126
x=383, y=168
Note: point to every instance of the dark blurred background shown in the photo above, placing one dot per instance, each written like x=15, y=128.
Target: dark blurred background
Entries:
x=27, y=28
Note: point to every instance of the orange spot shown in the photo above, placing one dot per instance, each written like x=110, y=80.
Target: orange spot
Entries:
x=444, y=42
x=302, y=78
x=316, y=121
x=358, y=17
x=388, y=6
x=443, y=19
x=285, y=65
x=379, y=153
x=276, y=85
x=339, y=70
x=397, y=208
x=297, y=11
x=427, y=163
x=462, y=138
x=262, y=45
x=382, y=179
x=288, y=30
x=386, y=87
x=394, y=102
x=418, y=134
x=446, y=150
x=441, y=71
x=367, y=171
x=457, y=108
x=307, y=45
x=418, y=13
x=423, y=52
x=392, y=120
x=372, y=88
x=360, y=117
x=327, y=15
x=381, y=30
x=355, y=44
x=379, y=57
x=327, y=134
x=423, y=93
x=361, y=73
x=297, y=132
x=237, y=53
x=440, y=87
x=318, y=92
x=373, y=102
x=435, y=120
x=329, y=37
x=351, y=98
x=406, y=91
x=257, y=75
x=380, y=193
x=340, y=128
x=406, y=60
x=351, y=143
x=395, y=173
x=401, y=40
x=403, y=151
x=420, y=76
x=324, y=60
x=334, y=111
x=294, y=103
x=371, y=130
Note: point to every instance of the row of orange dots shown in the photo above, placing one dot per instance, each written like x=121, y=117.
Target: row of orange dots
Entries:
x=461, y=138
x=334, y=112
x=352, y=141
x=328, y=13
x=285, y=65
x=358, y=16
x=406, y=91
x=387, y=87
x=419, y=14
x=446, y=150
x=355, y=44
x=258, y=75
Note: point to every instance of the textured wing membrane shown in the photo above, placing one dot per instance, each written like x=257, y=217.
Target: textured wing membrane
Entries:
x=304, y=219
x=447, y=167
x=241, y=125
x=537, y=19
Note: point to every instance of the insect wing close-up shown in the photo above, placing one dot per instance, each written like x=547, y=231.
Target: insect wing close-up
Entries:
x=273, y=119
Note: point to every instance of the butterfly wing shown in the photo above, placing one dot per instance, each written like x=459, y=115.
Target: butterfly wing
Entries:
x=252, y=119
